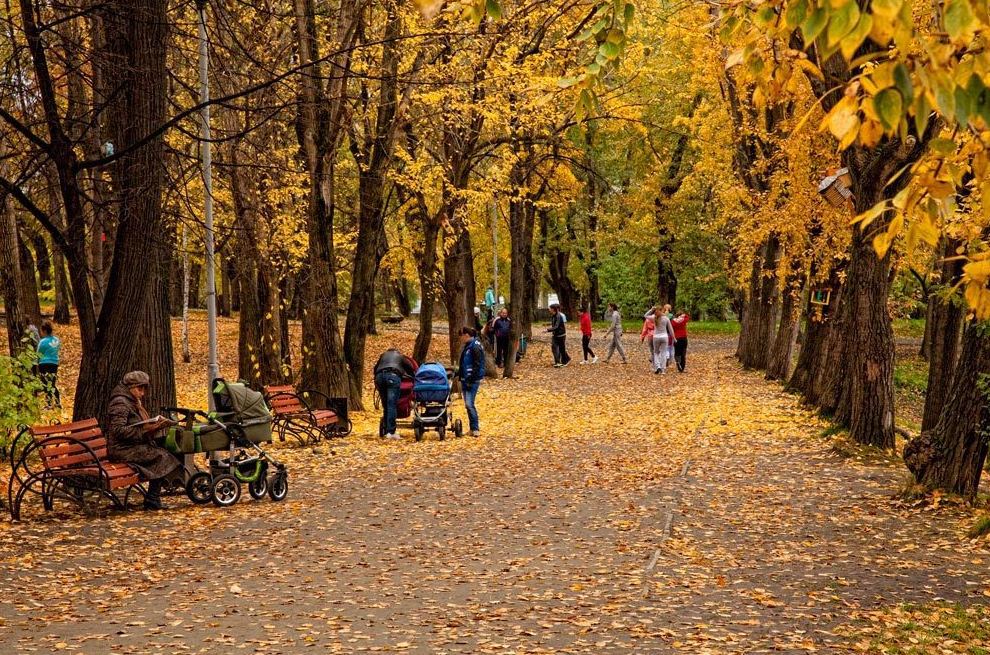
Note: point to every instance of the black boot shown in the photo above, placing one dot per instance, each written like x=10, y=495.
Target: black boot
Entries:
x=153, y=499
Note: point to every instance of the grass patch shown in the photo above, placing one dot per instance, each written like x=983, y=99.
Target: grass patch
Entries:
x=913, y=328
x=832, y=431
x=911, y=375
x=980, y=528
x=924, y=629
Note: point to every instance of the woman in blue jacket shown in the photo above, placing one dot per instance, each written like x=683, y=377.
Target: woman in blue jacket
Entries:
x=49, y=348
x=471, y=370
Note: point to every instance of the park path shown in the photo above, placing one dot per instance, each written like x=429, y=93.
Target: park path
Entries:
x=604, y=510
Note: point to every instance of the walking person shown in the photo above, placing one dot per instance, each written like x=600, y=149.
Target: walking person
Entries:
x=663, y=336
x=585, y=320
x=49, y=348
x=558, y=337
x=670, y=346
x=680, y=334
x=471, y=371
x=390, y=369
x=502, y=330
x=646, y=334
x=613, y=335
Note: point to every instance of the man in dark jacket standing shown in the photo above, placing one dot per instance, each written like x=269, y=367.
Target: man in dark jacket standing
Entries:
x=502, y=328
x=390, y=369
x=558, y=338
x=471, y=370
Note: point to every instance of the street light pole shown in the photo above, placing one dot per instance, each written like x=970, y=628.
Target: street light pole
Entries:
x=212, y=365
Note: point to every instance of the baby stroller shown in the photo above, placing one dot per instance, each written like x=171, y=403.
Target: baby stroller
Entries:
x=240, y=423
x=431, y=401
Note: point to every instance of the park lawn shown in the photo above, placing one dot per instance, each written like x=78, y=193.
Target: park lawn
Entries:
x=925, y=629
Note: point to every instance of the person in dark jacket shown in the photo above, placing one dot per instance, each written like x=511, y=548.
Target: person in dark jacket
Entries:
x=470, y=371
x=502, y=329
x=135, y=444
x=392, y=367
x=558, y=337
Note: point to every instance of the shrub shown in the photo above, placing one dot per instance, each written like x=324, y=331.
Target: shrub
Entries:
x=20, y=389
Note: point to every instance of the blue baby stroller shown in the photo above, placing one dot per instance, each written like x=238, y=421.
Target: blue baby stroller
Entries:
x=431, y=401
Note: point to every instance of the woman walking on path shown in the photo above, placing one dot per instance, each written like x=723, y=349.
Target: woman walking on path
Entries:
x=502, y=329
x=680, y=334
x=663, y=336
x=49, y=348
x=471, y=371
x=614, y=334
x=558, y=338
x=646, y=334
x=667, y=309
x=586, y=336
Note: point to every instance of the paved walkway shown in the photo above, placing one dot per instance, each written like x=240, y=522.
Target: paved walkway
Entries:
x=605, y=510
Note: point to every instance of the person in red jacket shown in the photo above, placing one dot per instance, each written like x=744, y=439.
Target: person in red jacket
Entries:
x=679, y=323
x=586, y=336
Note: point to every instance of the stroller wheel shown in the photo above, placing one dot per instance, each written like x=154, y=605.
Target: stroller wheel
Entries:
x=199, y=488
x=458, y=428
x=226, y=490
x=442, y=431
x=418, y=432
x=259, y=488
x=278, y=487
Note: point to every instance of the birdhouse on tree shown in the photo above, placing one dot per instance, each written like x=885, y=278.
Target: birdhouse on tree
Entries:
x=836, y=188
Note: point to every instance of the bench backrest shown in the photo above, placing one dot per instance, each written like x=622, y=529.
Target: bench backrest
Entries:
x=283, y=399
x=69, y=454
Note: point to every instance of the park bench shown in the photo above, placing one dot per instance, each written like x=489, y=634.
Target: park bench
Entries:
x=294, y=415
x=69, y=462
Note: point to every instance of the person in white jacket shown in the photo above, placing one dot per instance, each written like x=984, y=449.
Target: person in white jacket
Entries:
x=663, y=338
x=613, y=335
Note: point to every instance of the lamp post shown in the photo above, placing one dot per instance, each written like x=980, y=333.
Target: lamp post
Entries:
x=212, y=364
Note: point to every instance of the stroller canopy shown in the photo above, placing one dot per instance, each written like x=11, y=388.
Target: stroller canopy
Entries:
x=247, y=404
x=432, y=374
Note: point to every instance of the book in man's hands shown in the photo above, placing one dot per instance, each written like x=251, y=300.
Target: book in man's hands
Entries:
x=154, y=420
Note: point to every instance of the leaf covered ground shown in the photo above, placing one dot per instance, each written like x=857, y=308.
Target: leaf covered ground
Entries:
x=604, y=510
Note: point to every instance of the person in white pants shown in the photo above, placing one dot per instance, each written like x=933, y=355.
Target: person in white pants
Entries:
x=667, y=310
x=663, y=337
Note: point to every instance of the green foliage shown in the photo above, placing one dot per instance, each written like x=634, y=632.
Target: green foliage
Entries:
x=19, y=393
x=911, y=375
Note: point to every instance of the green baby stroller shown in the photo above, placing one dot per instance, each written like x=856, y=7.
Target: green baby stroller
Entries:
x=241, y=422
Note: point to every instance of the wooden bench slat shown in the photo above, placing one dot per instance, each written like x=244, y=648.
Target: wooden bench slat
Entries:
x=64, y=428
x=72, y=447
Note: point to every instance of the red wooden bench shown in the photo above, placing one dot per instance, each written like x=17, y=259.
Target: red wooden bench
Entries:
x=66, y=461
x=294, y=415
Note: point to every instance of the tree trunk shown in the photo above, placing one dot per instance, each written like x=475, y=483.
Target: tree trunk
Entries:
x=186, y=354
x=522, y=220
x=136, y=34
x=779, y=361
x=63, y=293
x=762, y=309
x=42, y=258
x=746, y=305
x=456, y=245
x=153, y=352
x=951, y=455
x=30, y=303
x=426, y=267
x=318, y=130
x=567, y=294
x=812, y=357
x=945, y=318
x=10, y=272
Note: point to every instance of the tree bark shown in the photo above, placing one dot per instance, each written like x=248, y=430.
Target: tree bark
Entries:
x=951, y=455
x=136, y=33
x=10, y=272
x=945, y=316
x=63, y=293
x=319, y=123
x=813, y=353
x=30, y=302
x=762, y=309
x=779, y=361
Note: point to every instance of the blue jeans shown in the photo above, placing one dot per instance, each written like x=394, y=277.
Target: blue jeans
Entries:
x=388, y=384
x=470, y=391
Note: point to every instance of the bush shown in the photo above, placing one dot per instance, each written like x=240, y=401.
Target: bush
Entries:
x=20, y=400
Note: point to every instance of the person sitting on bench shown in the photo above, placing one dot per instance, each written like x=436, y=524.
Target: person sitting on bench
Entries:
x=131, y=436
